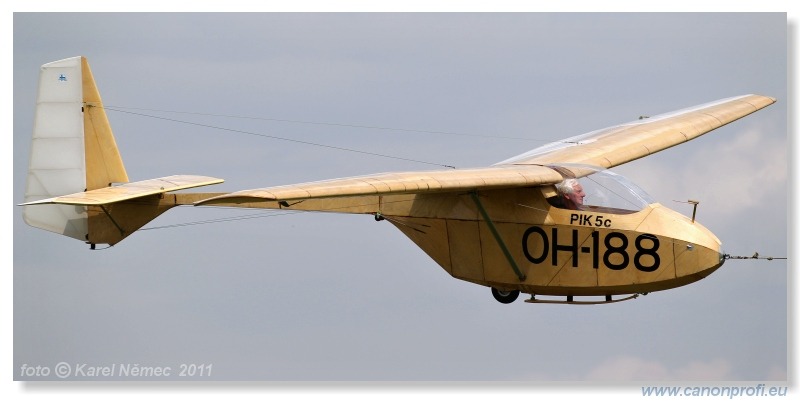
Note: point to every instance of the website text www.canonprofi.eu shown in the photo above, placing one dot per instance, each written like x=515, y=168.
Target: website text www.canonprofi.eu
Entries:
x=758, y=390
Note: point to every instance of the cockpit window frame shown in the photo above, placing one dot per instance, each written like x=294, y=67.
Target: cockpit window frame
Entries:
x=618, y=194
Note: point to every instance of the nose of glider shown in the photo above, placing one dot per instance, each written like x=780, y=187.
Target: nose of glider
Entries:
x=722, y=255
x=715, y=246
x=703, y=253
x=697, y=251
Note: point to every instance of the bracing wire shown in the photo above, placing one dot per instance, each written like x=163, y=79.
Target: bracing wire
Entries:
x=280, y=138
x=123, y=109
x=259, y=215
x=308, y=122
x=224, y=219
x=119, y=109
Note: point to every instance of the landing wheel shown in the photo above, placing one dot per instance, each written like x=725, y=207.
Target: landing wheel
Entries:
x=505, y=297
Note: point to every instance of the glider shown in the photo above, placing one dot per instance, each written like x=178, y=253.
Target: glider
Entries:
x=520, y=225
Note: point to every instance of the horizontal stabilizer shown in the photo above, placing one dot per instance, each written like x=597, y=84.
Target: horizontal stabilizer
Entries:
x=132, y=190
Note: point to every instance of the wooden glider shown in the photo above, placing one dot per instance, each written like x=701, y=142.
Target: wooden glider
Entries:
x=517, y=226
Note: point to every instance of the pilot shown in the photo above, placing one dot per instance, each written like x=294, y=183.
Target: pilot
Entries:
x=571, y=193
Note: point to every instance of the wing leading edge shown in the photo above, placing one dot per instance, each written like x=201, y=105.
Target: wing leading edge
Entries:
x=452, y=180
x=605, y=148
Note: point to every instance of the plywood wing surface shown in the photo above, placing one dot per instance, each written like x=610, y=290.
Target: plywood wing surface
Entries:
x=623, y=143
x=404, y=182
x=131, y=190
x=605, y=148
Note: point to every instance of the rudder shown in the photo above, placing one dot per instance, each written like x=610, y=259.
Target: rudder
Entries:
x=73, y=148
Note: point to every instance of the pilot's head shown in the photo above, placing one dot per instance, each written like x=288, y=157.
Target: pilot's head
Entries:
x=572, y=193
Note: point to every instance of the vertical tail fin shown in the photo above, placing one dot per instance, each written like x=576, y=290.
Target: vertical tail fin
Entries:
x=103, y=162
x=73, y=148
x=74, y=161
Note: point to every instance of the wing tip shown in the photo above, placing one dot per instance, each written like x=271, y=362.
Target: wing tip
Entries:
x=38, y=202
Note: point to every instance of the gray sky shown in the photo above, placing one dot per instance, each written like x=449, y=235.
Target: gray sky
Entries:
x=341, y=297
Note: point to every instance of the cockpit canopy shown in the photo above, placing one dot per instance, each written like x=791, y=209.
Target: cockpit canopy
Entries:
x=604, y=190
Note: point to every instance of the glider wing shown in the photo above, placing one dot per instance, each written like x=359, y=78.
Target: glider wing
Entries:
x=605, y=148
x=623, y=143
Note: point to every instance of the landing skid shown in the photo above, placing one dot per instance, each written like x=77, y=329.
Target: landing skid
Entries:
x=571, y=301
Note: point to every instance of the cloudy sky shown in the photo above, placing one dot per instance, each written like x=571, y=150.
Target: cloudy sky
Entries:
x=338, y=297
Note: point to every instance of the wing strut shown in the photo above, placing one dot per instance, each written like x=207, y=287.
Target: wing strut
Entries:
x=113, y=221
x=496, y=235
